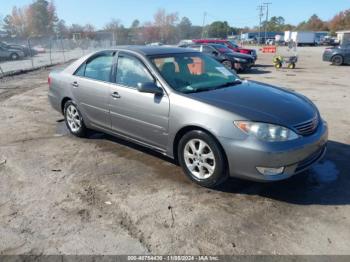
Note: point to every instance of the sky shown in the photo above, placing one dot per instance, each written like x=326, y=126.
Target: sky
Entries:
x=237, y=13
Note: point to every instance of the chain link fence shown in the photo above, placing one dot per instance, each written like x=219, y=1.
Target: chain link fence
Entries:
x=18, y=55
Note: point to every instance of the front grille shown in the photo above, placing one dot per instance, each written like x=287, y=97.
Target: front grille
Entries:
x=307, y=128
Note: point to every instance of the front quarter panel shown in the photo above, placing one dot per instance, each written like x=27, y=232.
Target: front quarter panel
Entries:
x=187, y=112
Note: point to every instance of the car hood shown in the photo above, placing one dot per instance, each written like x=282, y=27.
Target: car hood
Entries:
x=260, y=102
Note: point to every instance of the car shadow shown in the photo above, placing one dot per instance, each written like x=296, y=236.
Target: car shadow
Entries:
x=263, y=66
x=102, y=136
x=326, y=183
x=255, y=71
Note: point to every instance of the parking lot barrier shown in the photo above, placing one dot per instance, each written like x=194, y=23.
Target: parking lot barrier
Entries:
x=269, y=49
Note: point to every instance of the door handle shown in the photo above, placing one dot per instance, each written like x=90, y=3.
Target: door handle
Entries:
x=115, y=95
x=75, y=84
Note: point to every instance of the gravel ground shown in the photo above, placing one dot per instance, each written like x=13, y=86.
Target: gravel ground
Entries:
x=101, y=195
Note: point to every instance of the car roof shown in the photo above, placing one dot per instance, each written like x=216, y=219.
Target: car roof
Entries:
x=210, y=40
x=154, y=50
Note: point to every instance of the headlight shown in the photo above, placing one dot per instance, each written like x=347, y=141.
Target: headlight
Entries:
x=240, y=60
x=266, y=132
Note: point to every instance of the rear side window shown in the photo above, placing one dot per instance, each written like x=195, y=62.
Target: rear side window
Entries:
x=98, y=68
x=131, y=71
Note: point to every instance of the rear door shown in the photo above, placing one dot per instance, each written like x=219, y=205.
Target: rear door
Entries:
x=91, y=87
x=142, y=116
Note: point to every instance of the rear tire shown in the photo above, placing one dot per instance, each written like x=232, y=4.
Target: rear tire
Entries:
x=74, y=120
x=202, y=159
x=291, y=66
x=337, y=60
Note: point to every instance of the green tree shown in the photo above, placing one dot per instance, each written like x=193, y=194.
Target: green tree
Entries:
x=275, y=24
x=61, y=29
x=135, y=23
x=218, y=29
x=185, y=28
x=41, y=18
x=313, y=24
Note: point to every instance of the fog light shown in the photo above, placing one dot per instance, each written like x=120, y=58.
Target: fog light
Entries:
x=269, y=171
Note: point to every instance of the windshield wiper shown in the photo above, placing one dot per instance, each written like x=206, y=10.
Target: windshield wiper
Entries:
x=231, y=83
x=200, y=89
x=227, y=84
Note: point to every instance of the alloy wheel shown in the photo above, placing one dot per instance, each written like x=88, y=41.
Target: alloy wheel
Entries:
x=199, y=158
x=74, y=119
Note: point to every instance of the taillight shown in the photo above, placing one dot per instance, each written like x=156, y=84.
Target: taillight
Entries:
x=49, y=81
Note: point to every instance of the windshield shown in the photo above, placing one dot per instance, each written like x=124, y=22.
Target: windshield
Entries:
x=233, y=44
x=222, y=48
x=194, y=72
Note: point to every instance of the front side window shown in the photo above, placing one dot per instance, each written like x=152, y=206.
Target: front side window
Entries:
x=193, y=72
x=131, y=71
x=98, y=68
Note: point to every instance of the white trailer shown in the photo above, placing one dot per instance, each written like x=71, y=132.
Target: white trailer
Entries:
x=304, y=38
x=287, y=36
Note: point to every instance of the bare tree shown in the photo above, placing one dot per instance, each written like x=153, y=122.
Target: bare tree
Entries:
x=166, y=24
x=114, y=26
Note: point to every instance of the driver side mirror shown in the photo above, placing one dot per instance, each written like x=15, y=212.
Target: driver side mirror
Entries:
x=149, y=87
x=216, y=53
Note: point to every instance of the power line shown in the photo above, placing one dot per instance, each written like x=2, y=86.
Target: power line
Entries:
x=267, y=17
x=261, y=14
x=203, y=28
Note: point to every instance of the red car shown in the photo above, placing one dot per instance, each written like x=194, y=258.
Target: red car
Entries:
x=230, y=44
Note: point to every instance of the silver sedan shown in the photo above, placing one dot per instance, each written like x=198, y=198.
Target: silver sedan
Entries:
x=189, y=107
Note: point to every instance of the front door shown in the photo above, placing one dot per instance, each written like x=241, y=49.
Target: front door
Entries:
x=142, y=116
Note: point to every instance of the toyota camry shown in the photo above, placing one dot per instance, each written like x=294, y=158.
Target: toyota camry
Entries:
x=189, y=107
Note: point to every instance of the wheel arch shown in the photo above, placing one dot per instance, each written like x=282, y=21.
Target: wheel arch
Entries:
x=184, y=130
x=64, y=101
x=337, y=54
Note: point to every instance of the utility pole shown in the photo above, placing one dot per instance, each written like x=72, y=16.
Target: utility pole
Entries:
x=267, y=17
x=203, y=28
x=261, y=14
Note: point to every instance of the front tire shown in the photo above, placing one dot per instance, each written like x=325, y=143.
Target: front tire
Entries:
x=202, y=159
x=337, y=60
x=14, y=56
x=74, y=120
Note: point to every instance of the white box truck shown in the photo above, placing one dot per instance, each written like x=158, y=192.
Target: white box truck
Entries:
x=287, y=36
x=304, y=38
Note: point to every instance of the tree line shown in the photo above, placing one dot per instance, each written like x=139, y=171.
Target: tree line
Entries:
x=40, y=19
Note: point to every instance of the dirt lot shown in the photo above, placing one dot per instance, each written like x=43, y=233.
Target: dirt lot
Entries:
x=64, y=195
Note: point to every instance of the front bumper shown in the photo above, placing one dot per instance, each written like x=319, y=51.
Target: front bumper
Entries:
x=296, y=156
